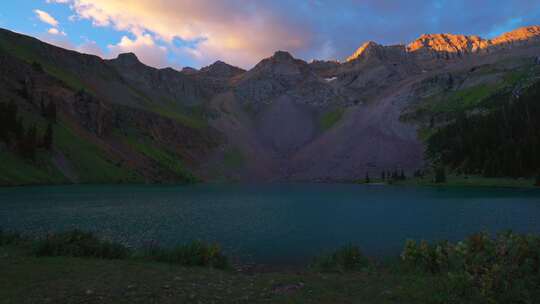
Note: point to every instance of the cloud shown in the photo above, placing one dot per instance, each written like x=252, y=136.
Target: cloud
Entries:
x=243, y=32
x=144, y=46
x=46, y=17
x=55, y=31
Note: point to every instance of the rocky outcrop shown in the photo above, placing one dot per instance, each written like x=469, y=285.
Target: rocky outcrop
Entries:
x=283, y=74
x=220, y=69
x=448, y=46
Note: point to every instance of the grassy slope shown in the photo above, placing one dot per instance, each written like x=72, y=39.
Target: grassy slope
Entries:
x=75, y=280
x=16, y=171
x=165, y=158
x=467, y=99
x=329, y=119
x=91, y=162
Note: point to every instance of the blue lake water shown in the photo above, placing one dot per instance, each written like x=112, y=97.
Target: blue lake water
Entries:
x=272, y=224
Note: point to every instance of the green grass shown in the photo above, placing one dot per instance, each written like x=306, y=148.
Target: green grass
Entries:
x=27, y=279
x=425, y=273
x=469, y=98
x=345, y=259
x=233, y=159
x=91, y=162
x=191, y=120
x=161, y=155
x=458, y=101
x=27, y=54
x=16, y=171
x=191, y=117
x=329, y=119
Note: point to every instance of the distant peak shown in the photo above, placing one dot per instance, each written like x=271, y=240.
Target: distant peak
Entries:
x=282, y=56
x=453, y=43
x=523, y=33
x=221, y=69
x=189, y=70
x=128, y=58
x=364, y=49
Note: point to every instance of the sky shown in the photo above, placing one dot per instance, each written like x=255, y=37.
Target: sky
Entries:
x=196, y=33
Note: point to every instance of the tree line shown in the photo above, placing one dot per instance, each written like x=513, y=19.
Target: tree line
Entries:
x=25, y=140
x=501, y=142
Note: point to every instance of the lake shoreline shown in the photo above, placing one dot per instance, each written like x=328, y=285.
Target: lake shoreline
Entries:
x=485, y=183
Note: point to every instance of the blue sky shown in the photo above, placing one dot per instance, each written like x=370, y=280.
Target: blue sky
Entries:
x=195, y=33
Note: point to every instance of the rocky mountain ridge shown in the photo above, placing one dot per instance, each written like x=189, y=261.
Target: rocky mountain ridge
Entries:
x=452, y=45
x=284, y=119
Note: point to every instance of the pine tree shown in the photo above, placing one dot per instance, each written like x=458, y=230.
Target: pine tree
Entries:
x=440, y=175
x=48, y=137
x=37, y=67
x=28, y=145
x=402, y=175
x=367, y=178
x=383, y=175
x=50, y=112
x=19, y=129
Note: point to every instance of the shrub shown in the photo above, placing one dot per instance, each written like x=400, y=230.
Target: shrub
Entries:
x=426, y=257
x=76, y=243
x=504, y=269
x=347, y=258
x=8, y=238
x=193, y=254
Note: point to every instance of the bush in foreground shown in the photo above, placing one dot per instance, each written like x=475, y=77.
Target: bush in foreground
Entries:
x=193, y=254
x=8, y=238
x=504, y=269
x=347, y=258
x=77, y=243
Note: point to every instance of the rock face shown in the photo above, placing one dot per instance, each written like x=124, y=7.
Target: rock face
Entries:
x=220, y=69
x=449, y=46
x=282, y=74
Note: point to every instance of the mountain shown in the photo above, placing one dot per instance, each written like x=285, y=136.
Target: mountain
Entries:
x=119, y=120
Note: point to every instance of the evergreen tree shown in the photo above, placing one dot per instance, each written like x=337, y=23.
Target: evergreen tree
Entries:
x=402, y=175
x=9, y=124
x=50, y=112
x=42, y=108
x=383, y=175
x=367, y=178
x=19, y=129
x=538, y=180
x=48, y=137
x=395, y=174
x=28, y=145
x=440, y=175
x=37, y=66
x=501, y=141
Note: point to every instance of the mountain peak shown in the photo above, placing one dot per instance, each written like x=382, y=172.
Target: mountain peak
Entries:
x=221, y=69
x=449, y=43
x=128, y=58
x=364, y=49
x=520, y=34
x=282, y=56
x=452, y=44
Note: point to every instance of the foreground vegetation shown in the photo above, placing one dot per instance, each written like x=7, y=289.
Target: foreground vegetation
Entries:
x=76, y=267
